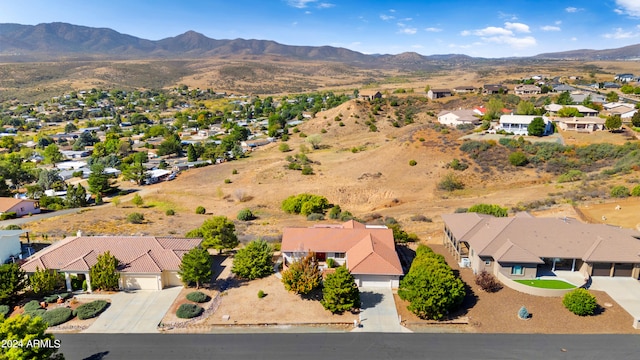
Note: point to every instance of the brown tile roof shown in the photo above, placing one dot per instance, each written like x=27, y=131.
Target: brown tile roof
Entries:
x=369, y=250
x=137, y=254
x=7, y=203
x=543, y=238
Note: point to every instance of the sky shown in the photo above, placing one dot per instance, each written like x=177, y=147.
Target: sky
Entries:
x=477, y=28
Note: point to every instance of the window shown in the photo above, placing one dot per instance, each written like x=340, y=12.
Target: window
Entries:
x=487, y=262
x=517, y=270
x=339, y=255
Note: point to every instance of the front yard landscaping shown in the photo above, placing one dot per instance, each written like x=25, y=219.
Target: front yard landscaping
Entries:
x=547, y=284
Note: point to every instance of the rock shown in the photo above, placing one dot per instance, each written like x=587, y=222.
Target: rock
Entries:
x=607, y=304
x=226, y=317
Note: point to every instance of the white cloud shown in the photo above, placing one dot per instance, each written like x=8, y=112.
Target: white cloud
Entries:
x=558, y=22
x=572, y=9
x=392, y=10
x=465, y=33
x=300, y=4
x=514, y=42
x=574, y=39
x=621, y=34
x=492, y=30
x=307, y=12
x=550, y=28
x=408, y=31
x=325, y=5
x=503, y=15
x=517, y=27
x=433, y=29
x=629, y=7
x=387, y=17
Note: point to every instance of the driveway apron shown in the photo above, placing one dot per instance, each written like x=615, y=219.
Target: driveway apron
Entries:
x=623, y=290
x=378, y=312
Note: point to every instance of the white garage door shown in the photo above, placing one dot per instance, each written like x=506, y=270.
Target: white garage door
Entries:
x=171, y=278
x=374, y=281
x=140, y=282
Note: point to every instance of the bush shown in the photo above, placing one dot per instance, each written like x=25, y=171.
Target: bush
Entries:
x=137, y=200
x=450, y=183
x=261, y=294
x=518, y=158
x=305, y=204
x=8, y=215
x=91, y=310
x=620, y=191
x=636, y=189
x=335, y=212
x=456, y=164
x=413, y=163
x=489, y=209
x=234, y=172
x=331, y=263
x=188, y=311
x=284, y=147
x=580, y=302
x=135, y=218
x=315, y=217
x=421, y=218
x=31, y=306
x=54, y=298
x=227, y=181
x=198, y=297
x=487, y=282
x=570, y=176
x=253, y=261
x=57, y=316
x=200, y=210
x=170, y=212
x=4, y=310
x=245, y=215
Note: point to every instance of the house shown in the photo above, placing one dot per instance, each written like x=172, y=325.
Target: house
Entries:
x=10, y=247
x=370, y=95
x=438, y=93
x=578, y=97
x=518, y=124
x=490, y=89
x=624, y=77
x=146, y=262
x=527, y=89
x=581, y=124
x=524, y=247
x=368, y=251
x=19, y=206
x=464, y=89
x=458, y=117
x=583, y=110
x=611, y=85
x=626, y=111
x=562, y=88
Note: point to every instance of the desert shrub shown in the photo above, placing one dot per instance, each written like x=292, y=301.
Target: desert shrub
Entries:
x=91, y=310
x=570, y=176
x=620, y=191
x=307, y=170
x=4, y=310
x=489, y=209
x=421, y=218
x=198, y=297
x=135, y=218
x=57, y=316
x=413, y=163
x=261, y=294
x=487, y=282
x=580, y=302
x=234, y=172
x=284, y=147
x=635, y=191
x=137, y=200
x=188, y=311
x=170, y=212
x=12, y=227
x=474, y=148
x=518, y=158
x=450, y=183
x=523, y=313
x=335, y=212
x=456, y=164
x=245, y=215
x=227, y=181
x=315, y=217
x=200, y=210
x=461, y=210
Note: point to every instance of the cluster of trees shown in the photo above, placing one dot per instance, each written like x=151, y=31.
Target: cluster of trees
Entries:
x=430, y=286
x=217, y=232
x=254, y=260
x=305, y=204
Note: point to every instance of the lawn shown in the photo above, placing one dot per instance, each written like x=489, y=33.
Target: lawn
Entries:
x=547, y=284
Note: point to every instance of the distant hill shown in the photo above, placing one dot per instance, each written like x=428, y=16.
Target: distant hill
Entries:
x=52, y=41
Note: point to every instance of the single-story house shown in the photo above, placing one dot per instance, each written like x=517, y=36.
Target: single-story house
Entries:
x=369, y=94
x=490, y=89
x=585, y=111
x=625, y=111
x=524, y=247
x=438, y=93
x=458, y=117
x=562, y=88
x=581, y=124
x=518, y=124
x=578, y=97
x=368, y=251
x=625, y=77
x=526, y=89
x=19, y=206
x=10, y=245
x=146, y=262
x=464, y=89
x=611, y=85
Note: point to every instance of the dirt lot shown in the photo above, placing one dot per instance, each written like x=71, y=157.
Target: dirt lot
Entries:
x=606, y=213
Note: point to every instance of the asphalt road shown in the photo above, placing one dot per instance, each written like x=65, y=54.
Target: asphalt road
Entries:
x=368, y=346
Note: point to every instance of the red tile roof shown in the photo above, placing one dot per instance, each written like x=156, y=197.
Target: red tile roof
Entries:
x=369, y=250
x=136, y=254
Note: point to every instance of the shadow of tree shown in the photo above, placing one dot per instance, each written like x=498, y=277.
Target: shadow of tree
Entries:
x=97, y=356
x=369, y=299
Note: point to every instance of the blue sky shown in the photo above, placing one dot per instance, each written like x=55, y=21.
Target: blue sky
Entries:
x=476, y=28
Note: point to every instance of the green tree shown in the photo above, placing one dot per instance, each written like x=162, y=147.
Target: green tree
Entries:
x=254, y=260
x=76, y=196
x=191, y=153
x=305, y=204
x=340, y=293
x=52, y=154
x=635, y=119
x=45, y=281
x=137, y=200
x=494, y=108
x=24, y=328
x=612, y=96
x=536, y=127
x=518, y=158
x=12, y=281
x=564, y=98
x=99, y=182
x=195, y=267
x=568, y=111
x=525, y=108
x=489, y=209
x=302, y=276
x=171, y=146
x=136, y=172
x=219, y=233
x=104, y=274
x=613, y=122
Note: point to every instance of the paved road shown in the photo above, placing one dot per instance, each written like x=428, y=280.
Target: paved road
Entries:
x=369, y=346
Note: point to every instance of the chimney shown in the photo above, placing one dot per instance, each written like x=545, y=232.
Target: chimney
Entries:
x=79, y=233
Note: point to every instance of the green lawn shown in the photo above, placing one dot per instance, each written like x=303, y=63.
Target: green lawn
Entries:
x=547, y=284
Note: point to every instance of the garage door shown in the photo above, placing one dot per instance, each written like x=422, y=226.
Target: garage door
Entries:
x=623, y=270
x=171, y=278
x=601, y=269
x=374, y=281
x=140, y=282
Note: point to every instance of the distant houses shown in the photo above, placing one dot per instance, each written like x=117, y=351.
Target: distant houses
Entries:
x=370, y=95
x=581, y=124
x=526, y=89
x=438, y=93
x=491, y=89
x=454, y=118
x=518, y=124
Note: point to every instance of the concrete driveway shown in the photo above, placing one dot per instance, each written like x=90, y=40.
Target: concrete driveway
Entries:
x=378, y=311
x=135, y=311
x=623, y=290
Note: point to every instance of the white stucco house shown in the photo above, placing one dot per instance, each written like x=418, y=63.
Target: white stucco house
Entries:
x=454, y=118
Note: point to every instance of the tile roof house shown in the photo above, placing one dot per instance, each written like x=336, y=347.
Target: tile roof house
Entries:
x=20, y=206
x=368, y=251
x=524, y=247
x=146, y=262
x=581, y=124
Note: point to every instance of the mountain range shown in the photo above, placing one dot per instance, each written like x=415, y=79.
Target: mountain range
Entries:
x=51, y=41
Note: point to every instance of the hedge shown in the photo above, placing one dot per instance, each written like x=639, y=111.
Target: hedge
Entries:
x=198, y=296
x=57, y=316
x=188, y=311
x=92, y=309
